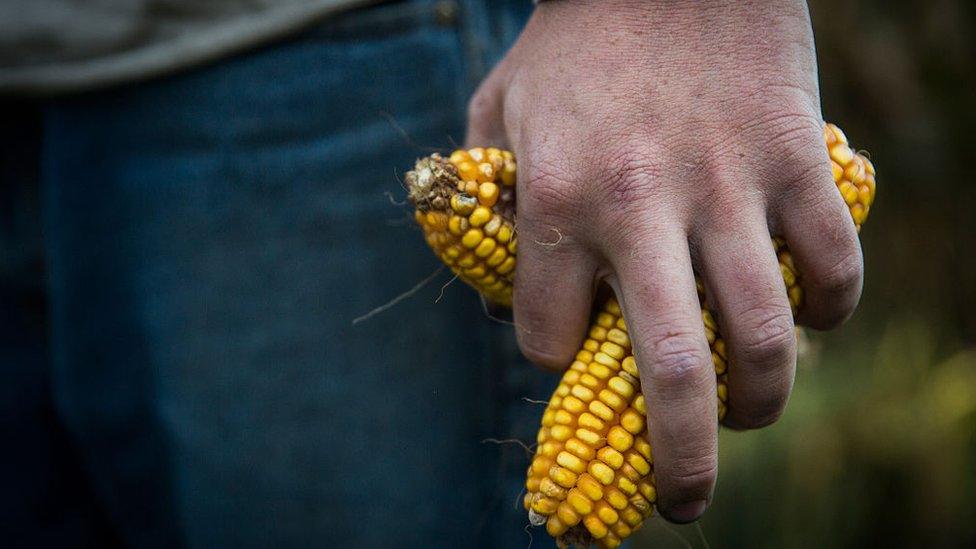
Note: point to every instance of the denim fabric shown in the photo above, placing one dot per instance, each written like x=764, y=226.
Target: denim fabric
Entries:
x=210, y=239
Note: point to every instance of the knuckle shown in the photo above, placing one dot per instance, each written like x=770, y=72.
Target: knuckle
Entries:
x=548, y=193
x=840, y=285
x=767, y=336
x=678, y=359
x=630, y=175
x=844, y=275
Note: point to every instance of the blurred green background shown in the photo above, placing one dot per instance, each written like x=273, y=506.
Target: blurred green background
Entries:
x=878, y=445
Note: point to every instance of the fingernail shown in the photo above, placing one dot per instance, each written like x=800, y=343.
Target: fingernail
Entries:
x=687, y=512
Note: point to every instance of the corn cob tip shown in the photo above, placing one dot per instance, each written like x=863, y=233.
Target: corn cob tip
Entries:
x=431, y=183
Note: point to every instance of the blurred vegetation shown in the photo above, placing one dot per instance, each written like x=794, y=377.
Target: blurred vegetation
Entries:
x=878, y=445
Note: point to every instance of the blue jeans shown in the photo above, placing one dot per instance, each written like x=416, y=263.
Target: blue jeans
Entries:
x=209, y=239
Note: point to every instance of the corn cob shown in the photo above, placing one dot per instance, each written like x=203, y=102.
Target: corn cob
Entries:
x=591, y=479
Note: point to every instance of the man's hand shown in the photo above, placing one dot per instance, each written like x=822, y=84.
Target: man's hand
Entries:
x=656, y=140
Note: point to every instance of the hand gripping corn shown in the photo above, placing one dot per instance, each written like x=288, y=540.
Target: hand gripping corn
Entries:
x=592, y=477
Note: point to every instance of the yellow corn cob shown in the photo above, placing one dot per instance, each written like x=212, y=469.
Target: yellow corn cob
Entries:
x=591, y=479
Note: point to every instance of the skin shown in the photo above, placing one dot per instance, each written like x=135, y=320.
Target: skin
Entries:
x=659, y=139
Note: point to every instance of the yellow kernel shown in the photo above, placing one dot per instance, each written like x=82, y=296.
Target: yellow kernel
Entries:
x=571, y=377
x=560, y=432
x=475, y=272
x=472, y=238
x=477, y=153
x=605, y=320
x=621, y=386
x=527, y=501
x=562, y=477
x=567, y=514
x=719, y=348
x=555, y=527
x=563, y=417
x=615, y=498
x=640, y=503
x=494, y=224
x=611, y=348
x=631, y=516
x=485, y=248
x=583, y=393
x=485, y=173
x=606, y=512
x=647, y=489
x=595, y=526
x=723, y=392
x=620, y=338
x=591, y=422
x=507, y=266
x=467, y=261
x=849, y=192
x=453, y=251
x=540, y=465
x=841, y=153
x=589, y=380
x=488, y=194
x=591, y=346
x=544, y=505
x=626, y=486
x=587, y=436
x=580, y=450
x=613, y=400
x=571, y=462
x=551, y=489
x=837, y=171
x=629, y=365
x=601, y=471
x=599, y=370
x=471, y=188
x=580, y=503
x=633, y=421
x=467, y=171
x=504, y=234
x=619, y=438
x=611, y=457
x=496, y=257
x=621, y=530
x=573, y=405
x=532, y=484
x=639, y=463
x=605, y=359
x=612, y=307
x=601, y=410
x=508, y=173
x=598, y=333
x=458, y=156
x=479, y=216
x=639, y=404
x=494, y=156
x=590, y=487
x=549, y=449
x=643, y=447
